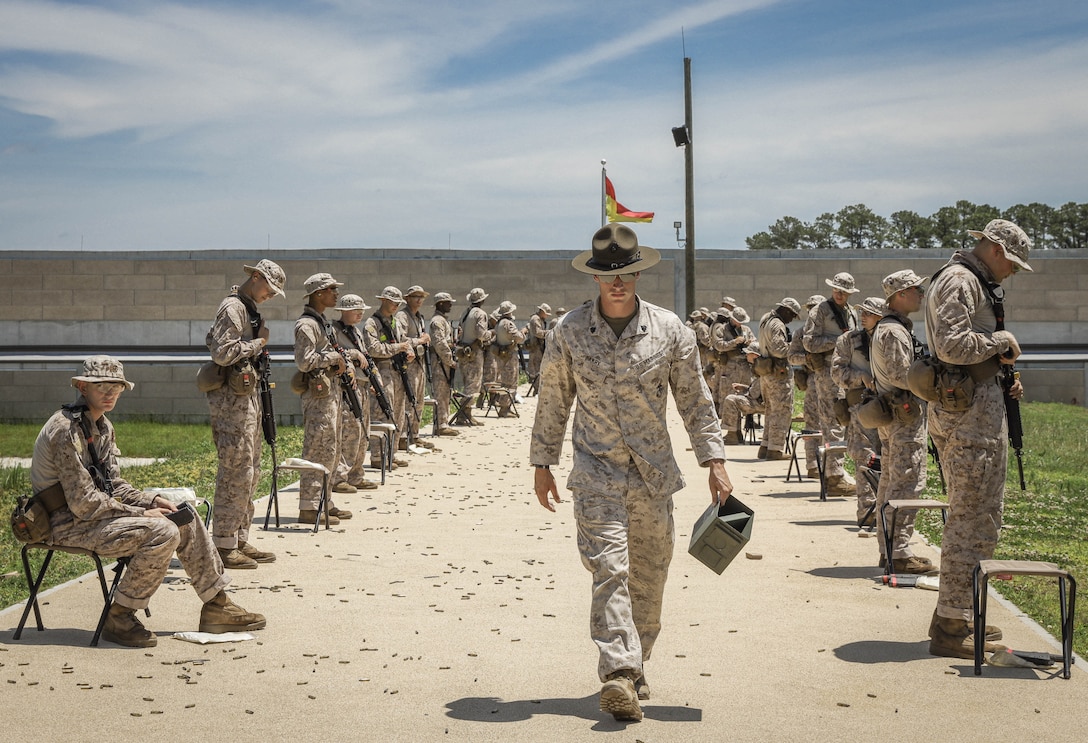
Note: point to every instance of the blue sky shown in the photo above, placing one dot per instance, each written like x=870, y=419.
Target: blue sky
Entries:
x=136, y=125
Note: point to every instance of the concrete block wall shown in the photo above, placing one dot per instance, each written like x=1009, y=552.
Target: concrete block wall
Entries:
x=87, y=302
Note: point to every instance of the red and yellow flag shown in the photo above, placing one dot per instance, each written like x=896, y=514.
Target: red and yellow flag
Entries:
x=617, y=212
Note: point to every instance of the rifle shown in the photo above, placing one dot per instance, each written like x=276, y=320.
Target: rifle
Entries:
x=1012, y=414
x=263, y=364
x=371, y=373
x=347, y=384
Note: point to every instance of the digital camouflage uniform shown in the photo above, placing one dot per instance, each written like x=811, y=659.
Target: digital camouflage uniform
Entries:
x=810, y=405
x=414, y=327
x=851, y=370
x=474, y=332
x=505, y=349
x=624, y=472
x=320, y=415
x=708, y=360
x=822, y=330
x=774, y=342
x=972, y=444
x=902, y=444
x=382, y=347
x=354, y=433
x=115, y=526
x=727, y=340
x=534, y=342
x=442, y=366
x=236, y=424
x=737, y=404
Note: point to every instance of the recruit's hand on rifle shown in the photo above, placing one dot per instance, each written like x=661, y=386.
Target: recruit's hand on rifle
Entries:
x=262, y=335
x=1008, y=357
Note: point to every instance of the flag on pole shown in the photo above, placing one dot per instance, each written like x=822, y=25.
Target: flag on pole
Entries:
x=617, y=212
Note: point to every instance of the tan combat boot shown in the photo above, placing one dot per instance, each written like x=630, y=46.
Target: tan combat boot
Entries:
x=223, y=615
x=952, y=638
x=310, y=517
x=235, y=559
x=732, y=438
x=122, y=627
x=993, y=632
x=255, y=554
x=619, y=698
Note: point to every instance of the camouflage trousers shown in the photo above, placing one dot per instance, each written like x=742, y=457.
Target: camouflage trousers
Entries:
x=810, y=410
x=417, y=377
x=734, y=406
x=902, y=477
x=472, y=374
x=734, y=371
x=626, y=542
x=152, y=543
x=973, y=446
x=394, y=390
x=532, y=367
x=862, y=444
x=778, y=398
x=830, y=427
x=508, y=379
x=354, y=441
x=712, y=377
x=320, y=444
x=442, y=394
x=236, y=431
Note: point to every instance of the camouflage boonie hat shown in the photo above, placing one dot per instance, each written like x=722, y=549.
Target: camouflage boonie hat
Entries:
x=729, y=302
x=103, y=369
x=790, y=304
x=443, y=297
x=272, y=273
x=753, y=347
x=1013, y=239
x=351, y=302
x=874, y=306
x=391, y=293
x=697, y=315
x=545, y=308
x=320, y=281
x=506, y=308
x=814, y=300
x=740, y=315
x=561, y=311
x=900, y=280
x=844, y=282
x=476, y=296
x=416, y=291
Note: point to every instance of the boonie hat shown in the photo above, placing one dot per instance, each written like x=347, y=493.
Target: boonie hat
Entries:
x=740, y=315
x=320, y=281
x=443, y=297
x=697, y=314
x=814, y=300
x=615, y=250
x=900, y=280
x=416, y=291
x=391, y=293
x=476, y=296
x=506, y=308
x=844, y=282
x=544, y=307
x=790, y=304
x=103, y=369
x=729, y=302
x=272, y=273
x=350, y=302
x=1009, y=236
x=753, y=347
x=874, y=306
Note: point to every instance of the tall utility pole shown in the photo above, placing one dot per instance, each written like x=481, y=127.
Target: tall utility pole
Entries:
x=689, y=198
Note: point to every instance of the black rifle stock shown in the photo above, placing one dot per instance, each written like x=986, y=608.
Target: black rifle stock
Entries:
x=347, y=383
x=268, y=426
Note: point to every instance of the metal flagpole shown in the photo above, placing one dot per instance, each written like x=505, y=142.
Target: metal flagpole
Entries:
x=604, y=208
